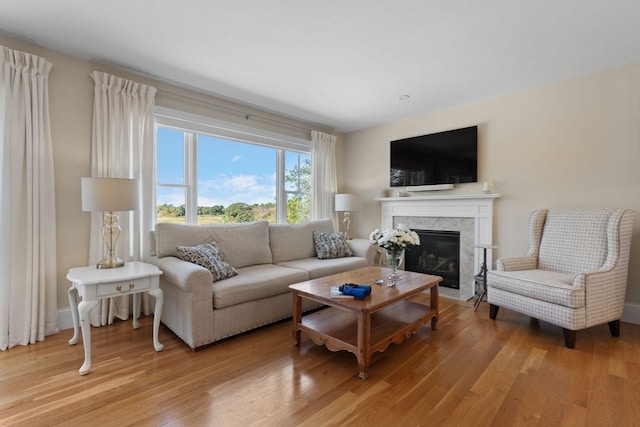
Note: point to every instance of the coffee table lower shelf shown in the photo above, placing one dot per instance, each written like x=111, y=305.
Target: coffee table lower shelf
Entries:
x=339, y=329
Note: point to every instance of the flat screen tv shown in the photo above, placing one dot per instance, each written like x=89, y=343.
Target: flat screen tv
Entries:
x=447, y=157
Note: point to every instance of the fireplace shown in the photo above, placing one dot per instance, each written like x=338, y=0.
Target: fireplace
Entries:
x=437, y=254
x=469, y=214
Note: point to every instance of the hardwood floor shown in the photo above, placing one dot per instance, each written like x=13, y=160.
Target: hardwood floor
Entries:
x=472, y=371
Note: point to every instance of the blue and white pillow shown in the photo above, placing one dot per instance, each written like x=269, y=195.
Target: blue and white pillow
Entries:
x=331, y=245
x=209, y=256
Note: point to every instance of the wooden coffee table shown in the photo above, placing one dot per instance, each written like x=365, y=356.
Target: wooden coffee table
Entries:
x=363, y=327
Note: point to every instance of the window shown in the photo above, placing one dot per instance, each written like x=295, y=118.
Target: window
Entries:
x=211, y=172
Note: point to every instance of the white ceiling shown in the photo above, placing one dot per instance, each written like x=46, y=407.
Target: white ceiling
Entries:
x=342, y=64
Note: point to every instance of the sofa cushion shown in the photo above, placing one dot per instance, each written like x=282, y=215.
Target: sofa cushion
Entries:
x=543, y=285
x=295, y=241
x=244, y=243
x=325, y=267
x=210, y=257
x=331, y=245
x=255, y=282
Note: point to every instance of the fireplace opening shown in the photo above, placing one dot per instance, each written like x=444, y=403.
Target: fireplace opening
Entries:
x=437, y=254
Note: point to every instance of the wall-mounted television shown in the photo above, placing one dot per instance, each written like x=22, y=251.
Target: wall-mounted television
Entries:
x=448, y=157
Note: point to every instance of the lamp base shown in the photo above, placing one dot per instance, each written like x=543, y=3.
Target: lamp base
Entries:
x=110, y=262
x=110, y=234
x=347, y=223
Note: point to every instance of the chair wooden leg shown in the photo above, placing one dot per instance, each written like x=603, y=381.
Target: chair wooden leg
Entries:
x=569, y=338
x=614, y=328
x=493, y=311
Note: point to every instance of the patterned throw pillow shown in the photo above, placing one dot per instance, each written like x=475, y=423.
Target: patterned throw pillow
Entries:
x=210, y=257
x=331, y=245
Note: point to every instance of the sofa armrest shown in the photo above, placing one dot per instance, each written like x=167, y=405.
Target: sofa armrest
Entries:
x=602, y=277
x=364, y=249
x=182, y=274
x=517, y=263
x=604, y=291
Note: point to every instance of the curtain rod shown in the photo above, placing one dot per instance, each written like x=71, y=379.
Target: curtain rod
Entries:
x=235, y=111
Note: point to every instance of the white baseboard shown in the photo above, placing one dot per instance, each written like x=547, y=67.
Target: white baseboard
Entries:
x=630, y=314
x=65, y=321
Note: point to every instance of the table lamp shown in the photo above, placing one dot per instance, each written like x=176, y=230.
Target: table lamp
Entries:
x=346, y=203
x=109, y=195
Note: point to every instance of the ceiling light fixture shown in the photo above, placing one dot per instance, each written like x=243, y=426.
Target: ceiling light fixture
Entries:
x=403, y=97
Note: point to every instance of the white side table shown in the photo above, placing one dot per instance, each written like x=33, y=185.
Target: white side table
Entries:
x=92, y=284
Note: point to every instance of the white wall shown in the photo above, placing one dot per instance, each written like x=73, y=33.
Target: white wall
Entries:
x=575, y=143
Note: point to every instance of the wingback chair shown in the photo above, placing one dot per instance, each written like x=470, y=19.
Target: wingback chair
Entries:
x=575, y=273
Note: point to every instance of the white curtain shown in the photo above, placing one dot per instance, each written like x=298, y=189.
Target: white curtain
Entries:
x=323, y=175
x=28, y=308
x=122, y=147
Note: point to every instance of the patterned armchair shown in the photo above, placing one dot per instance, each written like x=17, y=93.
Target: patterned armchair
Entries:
x=575, y=273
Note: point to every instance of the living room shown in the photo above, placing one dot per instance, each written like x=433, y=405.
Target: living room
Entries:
x=571, y=142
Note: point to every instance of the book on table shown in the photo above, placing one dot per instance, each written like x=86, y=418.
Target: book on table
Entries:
x=335, y=293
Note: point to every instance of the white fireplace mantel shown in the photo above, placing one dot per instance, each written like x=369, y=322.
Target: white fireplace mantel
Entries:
x=478, y=207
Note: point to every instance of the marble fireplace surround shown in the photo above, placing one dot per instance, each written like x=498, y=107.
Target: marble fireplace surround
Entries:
x=470, y=214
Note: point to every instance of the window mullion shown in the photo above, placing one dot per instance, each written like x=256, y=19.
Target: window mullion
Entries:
x=191, y=177
x=281, y=194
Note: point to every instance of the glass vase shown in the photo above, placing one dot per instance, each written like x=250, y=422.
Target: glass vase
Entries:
x=394, y=259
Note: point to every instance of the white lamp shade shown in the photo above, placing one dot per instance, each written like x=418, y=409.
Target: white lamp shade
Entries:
x=109, y=194
x=345, y=202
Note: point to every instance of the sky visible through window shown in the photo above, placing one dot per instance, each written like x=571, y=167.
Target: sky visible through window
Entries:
x=228, y=171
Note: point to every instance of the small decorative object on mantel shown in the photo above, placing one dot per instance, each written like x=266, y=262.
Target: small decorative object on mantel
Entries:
x=394, y=241
x=391, y=192
x=487, y=186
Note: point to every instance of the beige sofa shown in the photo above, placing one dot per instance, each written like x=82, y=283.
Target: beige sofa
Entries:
x=267, y=257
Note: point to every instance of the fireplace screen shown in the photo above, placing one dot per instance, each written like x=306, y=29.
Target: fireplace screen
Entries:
x=437, y=254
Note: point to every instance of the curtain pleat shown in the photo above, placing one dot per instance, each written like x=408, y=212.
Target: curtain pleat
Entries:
x=28, y=307
x=122, y=147
x=323, y=175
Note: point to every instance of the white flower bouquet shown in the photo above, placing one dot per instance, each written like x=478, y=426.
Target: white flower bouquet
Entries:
x=394, y=239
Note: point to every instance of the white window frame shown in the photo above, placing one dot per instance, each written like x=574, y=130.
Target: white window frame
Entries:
x=193, y=124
